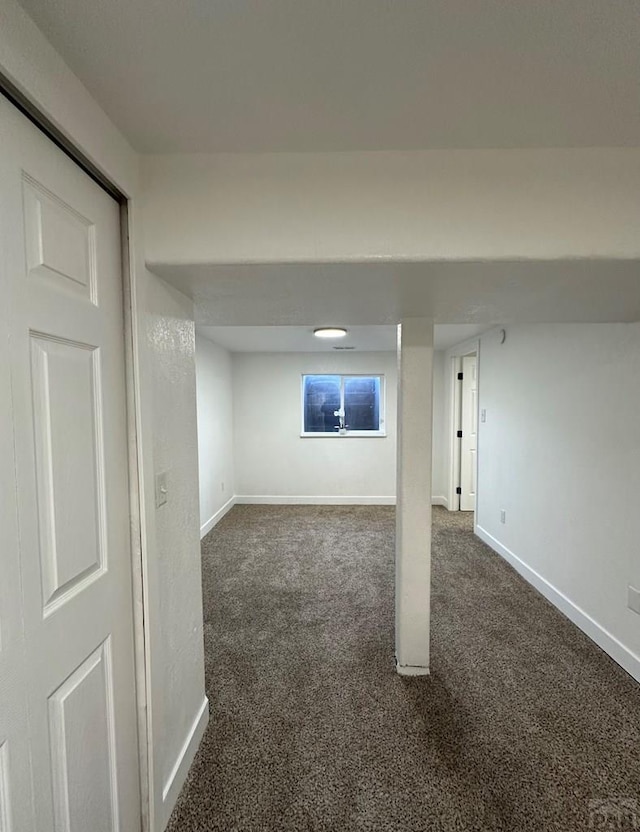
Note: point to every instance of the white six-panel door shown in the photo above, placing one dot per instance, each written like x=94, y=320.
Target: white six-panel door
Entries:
x=469, y=442
x=67, y=686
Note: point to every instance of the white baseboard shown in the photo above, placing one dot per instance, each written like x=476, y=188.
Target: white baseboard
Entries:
x=596, y=632
x=278, y=500
x=409, y=670
x=211, y=522
x=287, y=500
x=178, y=774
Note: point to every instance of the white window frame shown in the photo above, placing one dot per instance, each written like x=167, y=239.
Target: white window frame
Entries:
x=346, y=434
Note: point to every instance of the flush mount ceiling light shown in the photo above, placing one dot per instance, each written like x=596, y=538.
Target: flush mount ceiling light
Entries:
x=330, y=332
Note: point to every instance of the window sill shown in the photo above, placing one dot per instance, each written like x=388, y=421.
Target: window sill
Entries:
x=355, y=434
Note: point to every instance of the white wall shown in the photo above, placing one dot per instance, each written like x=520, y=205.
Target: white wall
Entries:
x=178, y=705
x=413, y=205
x=215, y=431
x=165, y=545
x=250, y=377
x=560, y=453
x=273, y=461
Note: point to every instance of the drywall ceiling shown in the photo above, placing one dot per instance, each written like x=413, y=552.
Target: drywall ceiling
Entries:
x=326, y=75
x=301, y=338
x=376, y=293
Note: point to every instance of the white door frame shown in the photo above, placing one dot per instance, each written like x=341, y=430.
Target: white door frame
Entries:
x=468, y=418
x=31, y=110
x=453, y=366
x=136, y=486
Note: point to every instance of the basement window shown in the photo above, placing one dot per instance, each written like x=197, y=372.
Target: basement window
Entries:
x=336, y=405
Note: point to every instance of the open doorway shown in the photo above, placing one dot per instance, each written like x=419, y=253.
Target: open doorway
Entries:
x=289, y=418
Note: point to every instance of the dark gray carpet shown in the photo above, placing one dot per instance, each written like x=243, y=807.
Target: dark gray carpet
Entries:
x=523, y=723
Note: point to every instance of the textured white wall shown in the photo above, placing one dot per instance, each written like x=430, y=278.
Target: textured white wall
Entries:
x=430, y=205
x=272, y=460
x=178, y=703
x=560, y=454
x=215, y=430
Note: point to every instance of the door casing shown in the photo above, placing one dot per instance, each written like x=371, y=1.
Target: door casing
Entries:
x=468, y=424
x=453, y=366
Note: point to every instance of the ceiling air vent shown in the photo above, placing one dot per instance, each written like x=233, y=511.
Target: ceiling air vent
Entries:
x=344, y=348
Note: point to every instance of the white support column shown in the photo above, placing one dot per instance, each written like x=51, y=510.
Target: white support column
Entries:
x=413, y=513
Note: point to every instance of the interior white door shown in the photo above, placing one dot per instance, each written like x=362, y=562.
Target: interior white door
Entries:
x=67, y=679
x=469, y=423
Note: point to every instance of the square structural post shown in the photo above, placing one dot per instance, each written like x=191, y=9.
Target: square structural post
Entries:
x=413, y=511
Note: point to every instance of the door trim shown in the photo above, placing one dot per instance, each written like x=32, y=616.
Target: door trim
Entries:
x=134, y=452
x=461, y=417
x=46, y=126
x=453, y=360
x=136, y=524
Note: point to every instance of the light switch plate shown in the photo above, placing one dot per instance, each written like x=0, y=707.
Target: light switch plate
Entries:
x=483, y=415
x=161, y=489
x=633, y=601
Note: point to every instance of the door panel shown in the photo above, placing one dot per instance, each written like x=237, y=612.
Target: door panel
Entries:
x=60, y=242
x=469, y=443
x=85, y=795
x=69, y=465
x=62, y=275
